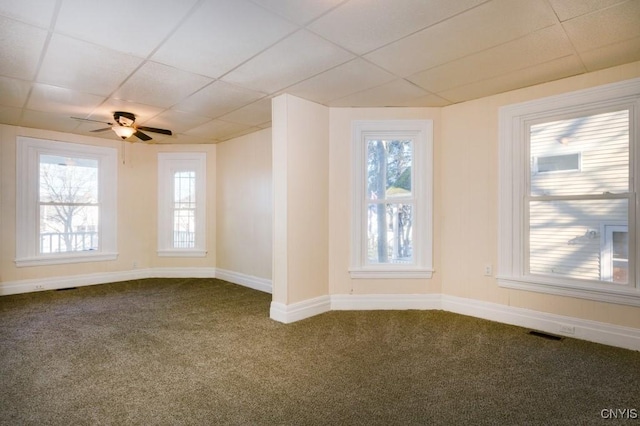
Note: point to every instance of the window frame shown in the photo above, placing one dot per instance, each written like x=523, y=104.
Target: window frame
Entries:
x=28, y=152
x=514, y=121
x=170, y=163
x=421, y=133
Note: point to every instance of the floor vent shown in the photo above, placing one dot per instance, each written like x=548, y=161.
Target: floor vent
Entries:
x=545, y=335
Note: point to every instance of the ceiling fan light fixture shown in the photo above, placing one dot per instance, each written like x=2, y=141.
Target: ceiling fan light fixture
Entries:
x=124, y=132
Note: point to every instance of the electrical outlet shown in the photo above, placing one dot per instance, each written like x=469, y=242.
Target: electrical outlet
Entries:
x=135, y=264
x=488, y=270
x=39, y=287
x=567, y=329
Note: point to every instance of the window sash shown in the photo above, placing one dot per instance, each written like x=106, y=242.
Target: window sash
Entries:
x=514, y=190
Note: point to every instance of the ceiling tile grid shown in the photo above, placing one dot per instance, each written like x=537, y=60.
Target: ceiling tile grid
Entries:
x=208, y=69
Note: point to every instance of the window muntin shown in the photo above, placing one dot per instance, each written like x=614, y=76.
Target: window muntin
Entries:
x=601, y=192
x=66, y=202
x=392, y=195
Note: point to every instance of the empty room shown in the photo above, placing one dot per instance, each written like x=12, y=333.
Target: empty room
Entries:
x=313, y=212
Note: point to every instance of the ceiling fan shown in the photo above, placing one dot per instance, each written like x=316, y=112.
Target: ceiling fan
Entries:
x=125, y=127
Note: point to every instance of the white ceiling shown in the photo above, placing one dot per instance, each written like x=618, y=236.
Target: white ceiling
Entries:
x=207, y=69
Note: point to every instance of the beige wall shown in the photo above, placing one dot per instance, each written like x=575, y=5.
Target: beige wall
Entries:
x=300, y=199
x=137, y=208
x=340, y=203
x=244, y=205
x=469, y=196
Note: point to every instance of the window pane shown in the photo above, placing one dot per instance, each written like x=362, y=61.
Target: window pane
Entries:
x=184, y=215
x=68, y=180
x=599, y=142
x=390, y=233
x=389, y=168
x=68, y=228
x=566, y=237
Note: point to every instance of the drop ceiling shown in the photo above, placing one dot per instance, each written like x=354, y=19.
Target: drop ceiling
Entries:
x=207, y=69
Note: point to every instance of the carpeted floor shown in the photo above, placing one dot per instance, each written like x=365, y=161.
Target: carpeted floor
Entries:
x=204, y=352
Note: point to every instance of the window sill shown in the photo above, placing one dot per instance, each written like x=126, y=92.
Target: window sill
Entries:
x=618, y=295
x=388, y=273
x=182, y=253
x=65, y=259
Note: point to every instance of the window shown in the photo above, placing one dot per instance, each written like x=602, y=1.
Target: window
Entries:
x=181, y=204
x=66, y=202
x=391, y=208
x=567, y=194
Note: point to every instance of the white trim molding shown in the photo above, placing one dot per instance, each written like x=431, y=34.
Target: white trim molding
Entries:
x=300, y=310
x=256, y=283
x=593, y=331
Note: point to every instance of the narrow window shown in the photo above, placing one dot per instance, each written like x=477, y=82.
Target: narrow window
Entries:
x=181, y=204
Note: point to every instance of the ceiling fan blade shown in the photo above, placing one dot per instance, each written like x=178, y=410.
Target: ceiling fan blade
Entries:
x=138, y=134
x=95, y=121
x=155, y=130
x=100, y=130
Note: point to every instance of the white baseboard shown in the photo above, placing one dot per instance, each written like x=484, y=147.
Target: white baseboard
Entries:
x=300, y=310
x=593, y=331
x=256, y=283
x=353, y=302
x=54, y=283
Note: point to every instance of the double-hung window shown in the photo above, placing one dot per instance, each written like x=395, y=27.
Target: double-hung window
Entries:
x=181, y=204
x=66, y=202
x=568, y=206
x=392, y=197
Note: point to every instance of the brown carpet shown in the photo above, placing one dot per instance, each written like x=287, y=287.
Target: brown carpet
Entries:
x=203, y=351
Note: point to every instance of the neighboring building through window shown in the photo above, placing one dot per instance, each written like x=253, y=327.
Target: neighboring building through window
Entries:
x=181, y=204
x=66, y=202
x=568, y=194
x=392, y=178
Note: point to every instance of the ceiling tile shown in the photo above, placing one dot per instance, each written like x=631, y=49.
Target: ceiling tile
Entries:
x=176, y=85
x=66, y=102
x=176, y=121
x=216, y=129
x=9, y=115
x=298, y=11
x=217, y=99
x=20, y=48
x=491, y=24
x=47, y=120
x=568, y=9
x=612, y=54
x=539, y=47
x=182, y=139
x=13, y=93
x=296, y=58
x=135, y=27
x=363, y=25
x=542, y=73
x=343, y=80
x=37, y=12
x=252, y=114
x=225, y=33
x=615, y=24
x=396, y=93
x=86, y=67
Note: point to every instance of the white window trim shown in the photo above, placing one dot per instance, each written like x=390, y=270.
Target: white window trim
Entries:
x=168, y=164
x=421, y=132
x=512, y=185
x=28, y=151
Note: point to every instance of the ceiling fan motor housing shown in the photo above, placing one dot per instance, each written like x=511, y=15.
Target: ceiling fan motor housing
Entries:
x=124, y=118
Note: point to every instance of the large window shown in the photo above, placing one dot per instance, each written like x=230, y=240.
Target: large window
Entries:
x=392, y=187
x=568, y=200
x=181, y=204
x=66, y=202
